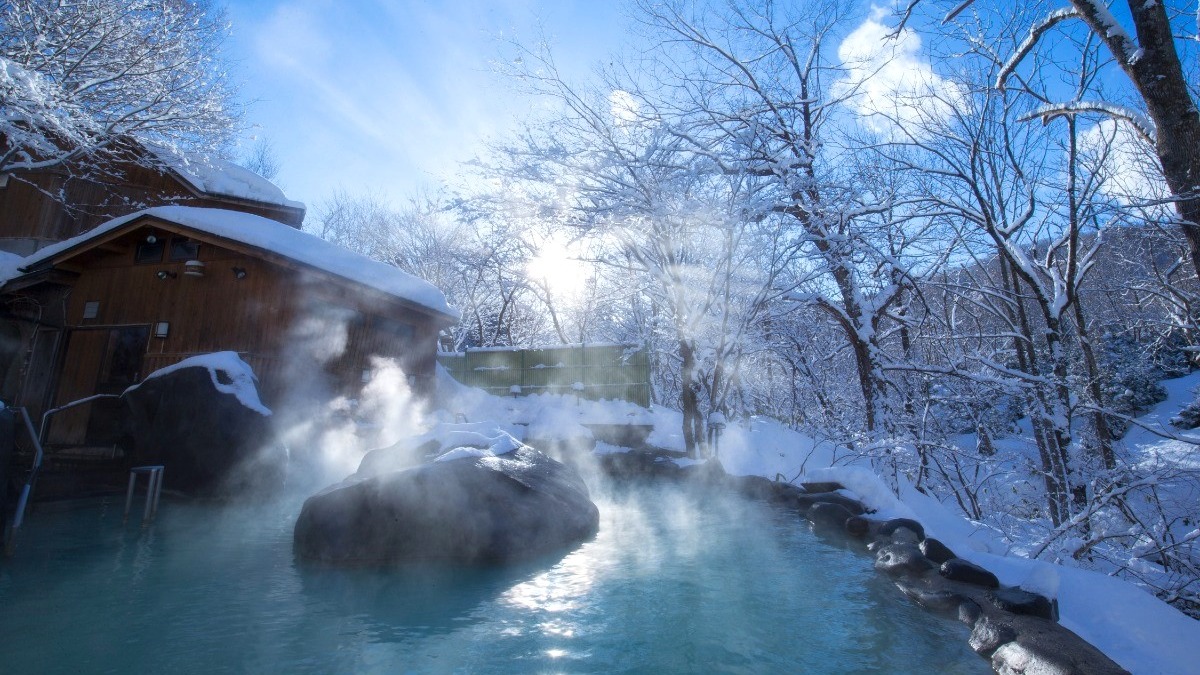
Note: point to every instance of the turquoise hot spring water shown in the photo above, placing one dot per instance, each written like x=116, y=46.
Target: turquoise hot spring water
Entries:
x=673, y=582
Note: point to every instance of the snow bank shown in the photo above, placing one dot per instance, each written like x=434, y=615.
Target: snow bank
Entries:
x=279, y=239
x=1129, y=624
x=1137, y=630
x=241, y=377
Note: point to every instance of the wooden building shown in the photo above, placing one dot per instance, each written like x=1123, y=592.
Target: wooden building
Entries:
x=151, y=288
x=43, y=207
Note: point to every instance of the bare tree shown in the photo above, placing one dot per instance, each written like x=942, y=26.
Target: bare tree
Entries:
x=263, y=160
x=688, y=236
x=80, y=79
x=752, y=87
x=477, y=262
x=1150, y=59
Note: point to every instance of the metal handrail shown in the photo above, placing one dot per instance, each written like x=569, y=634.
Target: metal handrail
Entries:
x=38, y=438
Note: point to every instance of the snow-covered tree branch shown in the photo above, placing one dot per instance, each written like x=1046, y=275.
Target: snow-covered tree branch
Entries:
x=82, y=80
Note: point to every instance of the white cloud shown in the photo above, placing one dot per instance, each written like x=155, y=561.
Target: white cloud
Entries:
x=889, y=83
x=1127, y=165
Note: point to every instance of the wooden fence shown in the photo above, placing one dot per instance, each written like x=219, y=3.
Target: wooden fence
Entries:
x=593, y=372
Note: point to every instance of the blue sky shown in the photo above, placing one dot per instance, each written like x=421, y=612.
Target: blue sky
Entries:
x=387, y=97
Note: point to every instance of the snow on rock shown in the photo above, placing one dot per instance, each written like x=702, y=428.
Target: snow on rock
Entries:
x=202, y=420
x=444, y=442
x=603, y=448
x=498, y=509
x=867, y=487
x=478, y=434
x=498, y=445
x=279, y=239
x=229, y=373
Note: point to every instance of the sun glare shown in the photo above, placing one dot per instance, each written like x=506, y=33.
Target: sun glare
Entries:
x=559, y=268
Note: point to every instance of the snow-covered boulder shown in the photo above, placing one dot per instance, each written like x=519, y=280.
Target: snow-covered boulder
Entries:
x=470, y=505
x=203, y=421
x=435, y=443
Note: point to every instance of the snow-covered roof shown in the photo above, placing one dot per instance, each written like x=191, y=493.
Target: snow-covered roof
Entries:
x=215, y=176
x=10, y=263
x=274, y=237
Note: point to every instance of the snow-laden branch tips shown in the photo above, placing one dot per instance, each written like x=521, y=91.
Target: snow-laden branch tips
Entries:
x=1140, y=123
x=1026, y=46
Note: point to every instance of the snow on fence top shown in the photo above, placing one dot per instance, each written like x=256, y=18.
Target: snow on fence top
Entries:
x=272, y=236
x=594, y=371
x=219, y=177
x=568, y=345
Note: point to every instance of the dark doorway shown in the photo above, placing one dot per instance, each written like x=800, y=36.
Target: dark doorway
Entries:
x=100, y=360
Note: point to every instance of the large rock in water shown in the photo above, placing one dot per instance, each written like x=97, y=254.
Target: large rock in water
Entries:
x=202, y=421
x=467, y=507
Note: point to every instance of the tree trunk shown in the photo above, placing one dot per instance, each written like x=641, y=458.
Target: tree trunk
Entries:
x=1050, y=450
x=1104, y=446
x=689, y=399
x=1154, y=68
x=862, y=361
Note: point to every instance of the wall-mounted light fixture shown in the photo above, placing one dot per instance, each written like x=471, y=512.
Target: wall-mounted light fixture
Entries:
x=161, y=329
x=239, y=273
x=165, y=274
x=151, y=239
x=193, y=268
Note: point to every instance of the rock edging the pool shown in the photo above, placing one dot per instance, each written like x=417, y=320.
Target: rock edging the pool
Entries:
x=1016, y=630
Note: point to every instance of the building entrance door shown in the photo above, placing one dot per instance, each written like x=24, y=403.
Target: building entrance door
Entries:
x=99, y=360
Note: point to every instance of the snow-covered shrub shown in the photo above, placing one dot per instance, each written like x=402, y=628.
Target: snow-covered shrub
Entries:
x=1189, y=417
x=1132, y=370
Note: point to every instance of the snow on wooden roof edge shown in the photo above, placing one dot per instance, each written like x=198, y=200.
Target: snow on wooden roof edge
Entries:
x=221, y=178
x=273, y=236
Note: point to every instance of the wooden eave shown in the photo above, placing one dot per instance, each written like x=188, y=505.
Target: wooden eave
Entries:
x=46, y=276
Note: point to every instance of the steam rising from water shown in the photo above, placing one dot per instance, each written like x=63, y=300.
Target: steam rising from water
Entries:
x=334, y=436
x=328, y=433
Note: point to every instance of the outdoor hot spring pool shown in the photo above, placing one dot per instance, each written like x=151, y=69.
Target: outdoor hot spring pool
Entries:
x=673, y=582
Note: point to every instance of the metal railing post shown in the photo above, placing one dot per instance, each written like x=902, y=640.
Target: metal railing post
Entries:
x=39, y=454
x=154, y=477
